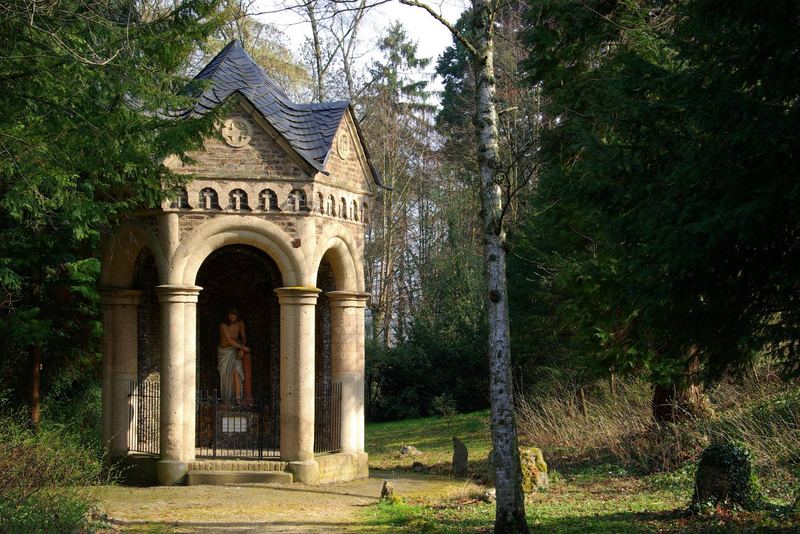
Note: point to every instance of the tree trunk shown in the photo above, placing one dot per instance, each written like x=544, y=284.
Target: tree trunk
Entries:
x=582, y=402
x=510, y=510
x=35, y=355
x=683, y=397
x=315, y=38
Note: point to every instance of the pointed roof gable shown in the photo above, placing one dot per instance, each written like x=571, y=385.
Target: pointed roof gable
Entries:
x=308, y=128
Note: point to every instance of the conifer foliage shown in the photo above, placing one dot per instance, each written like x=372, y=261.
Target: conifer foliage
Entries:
x=90, y=94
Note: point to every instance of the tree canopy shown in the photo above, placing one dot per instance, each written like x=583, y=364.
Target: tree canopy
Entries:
x=90, y=100
x=663, y=226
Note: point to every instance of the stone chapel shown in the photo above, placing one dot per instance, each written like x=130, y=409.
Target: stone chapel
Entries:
x=272, y=223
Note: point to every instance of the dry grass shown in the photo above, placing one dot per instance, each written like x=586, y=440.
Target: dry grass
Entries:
x=618, y=428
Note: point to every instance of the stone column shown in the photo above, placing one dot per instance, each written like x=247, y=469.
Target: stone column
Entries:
x=347, y=365
x=189, y=377
x=172, y=466
x=107, y=369
x=297, y=381
x=120, y=343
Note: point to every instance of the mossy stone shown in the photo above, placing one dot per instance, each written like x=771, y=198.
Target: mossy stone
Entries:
x=532, y=466
x=725, y=478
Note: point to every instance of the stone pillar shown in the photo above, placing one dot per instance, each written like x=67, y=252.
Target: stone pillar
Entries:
x=107, y=369
x=172, y=466
x=297, y=381
x=347, y=365
x=190, y=377
x=120, y=343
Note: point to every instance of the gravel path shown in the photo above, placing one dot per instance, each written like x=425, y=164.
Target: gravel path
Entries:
x=259, y=507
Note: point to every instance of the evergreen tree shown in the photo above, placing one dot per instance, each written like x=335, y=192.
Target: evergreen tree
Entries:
x=665, y=236
x=90, y=101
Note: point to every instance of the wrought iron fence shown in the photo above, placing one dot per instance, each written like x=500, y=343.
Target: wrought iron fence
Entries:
x=328, y=418
x=144, y=404
x=237, y=429
x=234, y=429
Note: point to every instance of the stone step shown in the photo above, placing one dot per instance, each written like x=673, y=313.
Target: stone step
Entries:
x=233, y=478
x=237, y=465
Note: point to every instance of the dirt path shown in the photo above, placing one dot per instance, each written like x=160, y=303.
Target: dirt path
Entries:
x=258, y=508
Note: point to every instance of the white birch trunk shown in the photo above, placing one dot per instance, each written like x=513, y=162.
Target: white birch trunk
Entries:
x=510, y=514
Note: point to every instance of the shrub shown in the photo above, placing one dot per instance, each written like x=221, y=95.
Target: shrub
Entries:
x=42, y=479
x=445, y=406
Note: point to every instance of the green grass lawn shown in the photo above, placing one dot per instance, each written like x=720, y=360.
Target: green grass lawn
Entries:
x=433, y=436
x=582, y=498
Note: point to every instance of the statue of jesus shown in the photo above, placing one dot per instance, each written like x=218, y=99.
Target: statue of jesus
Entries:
x=233, y=358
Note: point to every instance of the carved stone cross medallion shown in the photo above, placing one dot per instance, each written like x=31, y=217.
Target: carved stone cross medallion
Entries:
x=237, y=132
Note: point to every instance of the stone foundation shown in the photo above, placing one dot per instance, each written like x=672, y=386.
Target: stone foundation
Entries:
x=147, y=470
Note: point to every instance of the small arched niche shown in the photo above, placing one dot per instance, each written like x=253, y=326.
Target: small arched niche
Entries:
x=268, y=200
x=237, y=200
x=208, y=200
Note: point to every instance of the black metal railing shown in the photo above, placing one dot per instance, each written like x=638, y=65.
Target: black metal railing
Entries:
x=328, y=418
x=237, y=429
x=144, y=405
x=234, y=429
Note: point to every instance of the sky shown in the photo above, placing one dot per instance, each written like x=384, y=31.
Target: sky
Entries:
x=431, y=36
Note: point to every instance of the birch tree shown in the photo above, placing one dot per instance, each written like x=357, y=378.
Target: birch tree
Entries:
x=510, y=511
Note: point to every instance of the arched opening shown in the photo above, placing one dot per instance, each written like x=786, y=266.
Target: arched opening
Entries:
x=145, y=279
x=322, y=367
x=327, y=406
x=245, y=278
x=268, y=200
x=208, y=199
x=237, y=200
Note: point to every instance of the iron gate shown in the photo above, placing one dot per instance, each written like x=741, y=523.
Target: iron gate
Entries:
x=234, y=429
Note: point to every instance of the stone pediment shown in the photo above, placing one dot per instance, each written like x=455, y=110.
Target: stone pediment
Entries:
x=309, y=130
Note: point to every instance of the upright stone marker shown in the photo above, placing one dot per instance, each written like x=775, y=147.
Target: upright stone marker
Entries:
x=460, y=457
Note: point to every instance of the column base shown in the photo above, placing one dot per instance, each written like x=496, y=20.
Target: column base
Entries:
x=171, y=472
x=362, y=459
x=342, y=466
x=305, y=472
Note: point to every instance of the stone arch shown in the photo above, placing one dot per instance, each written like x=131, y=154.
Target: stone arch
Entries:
x=340, y=252
x=354, y=211
x=259, y=233
x=122, y=249
x=364, y=213
x=331, y=207
x=343, y=208
x=321, y=202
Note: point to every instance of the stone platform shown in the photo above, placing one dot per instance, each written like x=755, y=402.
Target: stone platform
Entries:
x=140, y=469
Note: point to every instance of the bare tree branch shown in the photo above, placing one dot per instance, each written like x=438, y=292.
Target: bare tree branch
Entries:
x=457, y=34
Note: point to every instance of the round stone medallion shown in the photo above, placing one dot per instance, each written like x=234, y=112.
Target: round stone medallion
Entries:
x=237, y=132
x=343, y=146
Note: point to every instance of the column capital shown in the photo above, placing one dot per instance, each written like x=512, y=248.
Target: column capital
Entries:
x=119, y=296
x=187, y=294
x=298, y=295
x=347, y=299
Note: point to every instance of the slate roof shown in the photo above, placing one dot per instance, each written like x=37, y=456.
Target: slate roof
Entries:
x=308, y=128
